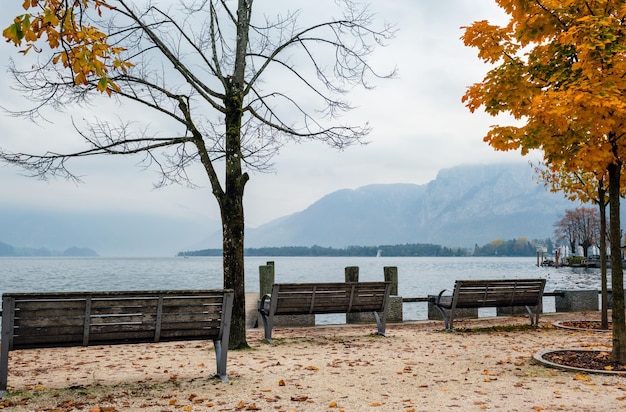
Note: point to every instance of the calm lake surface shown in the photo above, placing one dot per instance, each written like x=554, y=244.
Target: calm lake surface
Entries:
x=417, y=277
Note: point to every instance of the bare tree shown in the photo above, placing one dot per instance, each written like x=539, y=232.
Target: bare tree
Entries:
x=210, y=67
x=579, y=227
x=565, y=231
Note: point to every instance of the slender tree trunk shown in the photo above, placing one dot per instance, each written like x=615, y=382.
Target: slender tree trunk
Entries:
x=603, y=278
x=617, y=276
x=233, y=247
x=232, y=212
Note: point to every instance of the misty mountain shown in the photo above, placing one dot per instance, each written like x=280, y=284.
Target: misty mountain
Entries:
x=110, y=234
x=9, y=250
x=463, y=206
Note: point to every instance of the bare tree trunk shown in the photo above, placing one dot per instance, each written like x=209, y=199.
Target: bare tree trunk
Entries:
x=603, y=278
x=233, y=247
x=231, y=207
x=617, y=276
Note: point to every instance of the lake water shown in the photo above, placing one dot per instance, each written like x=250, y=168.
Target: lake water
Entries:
x=417, y=277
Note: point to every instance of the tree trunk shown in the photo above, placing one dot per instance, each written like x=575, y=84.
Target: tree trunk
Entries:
x=233, y=258
x=603, y=278
x=617, y=276
x=231, y=207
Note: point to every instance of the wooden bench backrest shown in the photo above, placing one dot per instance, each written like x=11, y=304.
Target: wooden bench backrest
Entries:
x=320, y=298
x=498, y=292
x=89, y=318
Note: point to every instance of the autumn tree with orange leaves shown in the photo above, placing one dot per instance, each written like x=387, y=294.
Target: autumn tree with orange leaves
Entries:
x=558, y=69
x=209, y=69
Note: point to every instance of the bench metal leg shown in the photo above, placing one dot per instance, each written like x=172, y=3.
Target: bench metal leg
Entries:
x=6, y=341
x=381, y=327
x=267, y=327
x=4, y=361
x=221, y=345
x=447, y=321
x=220, y=358
x=4, y=367
x=534, y=317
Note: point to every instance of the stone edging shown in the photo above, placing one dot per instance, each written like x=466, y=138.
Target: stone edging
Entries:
x=560, y=325
x=539, y=358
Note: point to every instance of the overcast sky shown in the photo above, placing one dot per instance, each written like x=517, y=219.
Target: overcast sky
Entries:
x=419, y=126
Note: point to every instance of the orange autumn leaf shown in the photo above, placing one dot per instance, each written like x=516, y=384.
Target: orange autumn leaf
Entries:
x=581, y=377
x=81, y=47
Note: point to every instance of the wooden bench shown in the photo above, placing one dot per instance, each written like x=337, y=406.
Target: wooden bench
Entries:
x=40, y=320
x=492, y=293
x=322, y=298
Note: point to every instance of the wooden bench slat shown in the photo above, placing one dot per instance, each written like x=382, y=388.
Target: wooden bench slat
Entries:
x=42, y=341
x=49, y=313
x=43, y=321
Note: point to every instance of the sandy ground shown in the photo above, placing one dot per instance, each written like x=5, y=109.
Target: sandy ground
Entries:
x=417, y=367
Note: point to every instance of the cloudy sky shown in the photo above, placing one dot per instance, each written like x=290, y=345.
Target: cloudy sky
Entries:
x=419, y=126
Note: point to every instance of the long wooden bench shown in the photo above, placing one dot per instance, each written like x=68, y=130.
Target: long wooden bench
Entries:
x=492, y=293
x=40, y=320
x=323, y=298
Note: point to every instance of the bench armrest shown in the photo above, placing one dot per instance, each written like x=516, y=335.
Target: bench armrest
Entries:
x=264, y=304
x=438, y=300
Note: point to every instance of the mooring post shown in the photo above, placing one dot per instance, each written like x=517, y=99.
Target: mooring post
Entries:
x=352, y=273
x=395, y=311
x=391, y=275
x=538, y=261
x=266, y=278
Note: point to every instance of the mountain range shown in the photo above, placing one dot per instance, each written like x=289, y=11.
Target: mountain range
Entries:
x=463, y=206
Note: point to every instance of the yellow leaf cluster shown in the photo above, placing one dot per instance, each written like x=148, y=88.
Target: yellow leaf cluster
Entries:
x=84, y=49
x=558, y=69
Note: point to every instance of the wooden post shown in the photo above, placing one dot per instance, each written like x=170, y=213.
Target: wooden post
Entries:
x=352, y=273
x=391, y=275
x=266, y=278
x=557, y=255
x=394, y=304
x=538, y=262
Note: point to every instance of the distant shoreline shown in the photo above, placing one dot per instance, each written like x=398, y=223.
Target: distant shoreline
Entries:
x=509, y=248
